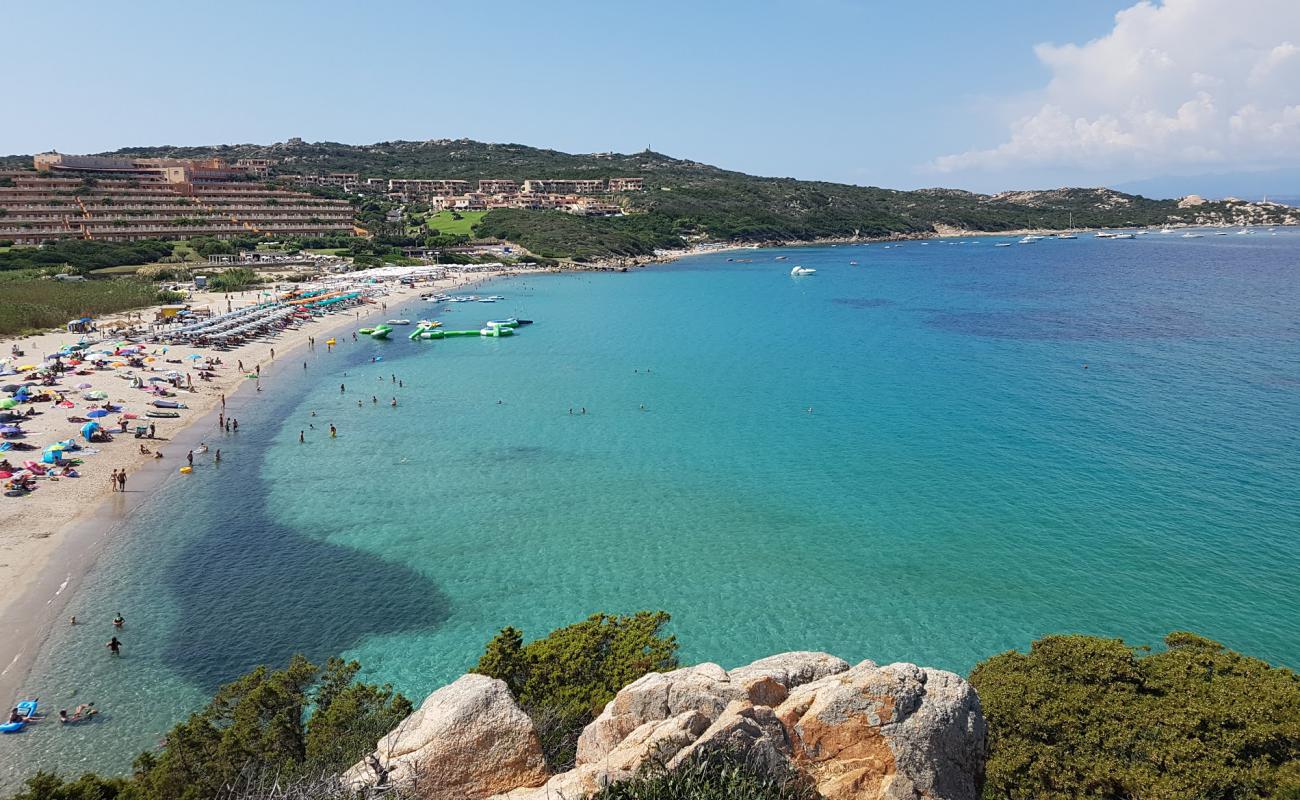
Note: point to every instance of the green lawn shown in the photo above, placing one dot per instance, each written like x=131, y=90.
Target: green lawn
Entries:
x=444, y=222
x=326, y=251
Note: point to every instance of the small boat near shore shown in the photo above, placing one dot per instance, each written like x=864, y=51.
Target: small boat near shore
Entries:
x=162, y=414
x=799, y=271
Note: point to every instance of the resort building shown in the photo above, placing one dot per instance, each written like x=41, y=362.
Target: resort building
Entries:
x=548, y=186
x=166, y=170
x=498, y=187
x=411, y=189
x=39, y=207
x=587, y=207
x=626, y=184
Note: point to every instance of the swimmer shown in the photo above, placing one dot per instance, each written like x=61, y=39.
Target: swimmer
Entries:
x=119, y=621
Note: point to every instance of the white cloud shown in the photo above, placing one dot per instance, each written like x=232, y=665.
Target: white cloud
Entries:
x=1183, y=83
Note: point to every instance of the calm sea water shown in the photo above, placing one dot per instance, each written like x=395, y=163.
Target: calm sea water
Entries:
x=900, y=460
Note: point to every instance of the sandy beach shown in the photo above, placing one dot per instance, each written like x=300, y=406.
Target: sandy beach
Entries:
x=52, y=537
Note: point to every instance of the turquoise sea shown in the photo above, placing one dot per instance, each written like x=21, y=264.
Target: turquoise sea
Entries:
x=935, y=455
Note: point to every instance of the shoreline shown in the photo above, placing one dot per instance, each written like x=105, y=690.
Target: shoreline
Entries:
x=56, y=562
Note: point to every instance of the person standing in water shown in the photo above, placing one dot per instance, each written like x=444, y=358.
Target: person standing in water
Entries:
x=119, y=621
x=114, y=646
x=302, y=437
x=333, y=431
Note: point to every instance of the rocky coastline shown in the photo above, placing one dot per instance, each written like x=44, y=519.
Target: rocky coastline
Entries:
x=863, y=732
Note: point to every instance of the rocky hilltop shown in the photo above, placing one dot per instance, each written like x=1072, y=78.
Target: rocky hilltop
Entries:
x=864, y=732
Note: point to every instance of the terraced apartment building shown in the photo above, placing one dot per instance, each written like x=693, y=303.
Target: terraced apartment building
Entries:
x=123, y=200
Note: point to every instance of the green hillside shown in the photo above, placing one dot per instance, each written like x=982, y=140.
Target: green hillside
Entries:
x=685, y=198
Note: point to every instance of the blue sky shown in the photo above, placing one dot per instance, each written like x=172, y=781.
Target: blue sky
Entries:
x=891, y=94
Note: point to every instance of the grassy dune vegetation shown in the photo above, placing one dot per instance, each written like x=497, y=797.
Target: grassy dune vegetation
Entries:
x=30, y=302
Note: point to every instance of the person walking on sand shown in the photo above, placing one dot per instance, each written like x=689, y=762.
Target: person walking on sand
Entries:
x=272, y=353
x=223, y=401
x=152, y=428
x=114, y=646
x=112, y=480
x=121, y=480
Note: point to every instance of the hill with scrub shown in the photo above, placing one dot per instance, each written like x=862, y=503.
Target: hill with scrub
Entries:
x=687, y=200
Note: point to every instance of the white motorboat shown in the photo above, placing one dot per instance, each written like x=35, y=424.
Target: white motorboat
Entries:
x=1002, y=244
x=802, y=271
x=1244, y=232
x=1190, y=235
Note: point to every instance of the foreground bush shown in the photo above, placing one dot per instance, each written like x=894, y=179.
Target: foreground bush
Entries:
x=1083, y=717
x=564, y=680
x=256, y=737
x=713, y=776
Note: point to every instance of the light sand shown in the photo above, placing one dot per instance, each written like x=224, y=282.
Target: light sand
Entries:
x=51, y=538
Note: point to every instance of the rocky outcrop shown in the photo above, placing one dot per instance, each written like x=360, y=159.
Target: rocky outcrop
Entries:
x=467, y=741
x=897, y=732
x=706, y=688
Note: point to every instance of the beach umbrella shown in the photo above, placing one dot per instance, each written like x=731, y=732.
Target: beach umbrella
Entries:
x=99, y=412
x=89, y=429
x=8, y=402
x=194, y=356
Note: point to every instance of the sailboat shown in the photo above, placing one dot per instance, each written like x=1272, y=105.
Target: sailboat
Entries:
x=1069, y=234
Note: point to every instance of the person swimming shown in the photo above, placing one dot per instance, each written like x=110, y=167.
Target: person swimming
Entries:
x=119, y=620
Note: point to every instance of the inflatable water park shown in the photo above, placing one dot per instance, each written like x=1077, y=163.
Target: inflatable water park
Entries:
x=432, y=329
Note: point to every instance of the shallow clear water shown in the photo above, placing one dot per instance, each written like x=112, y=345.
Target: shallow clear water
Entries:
x=960, y=486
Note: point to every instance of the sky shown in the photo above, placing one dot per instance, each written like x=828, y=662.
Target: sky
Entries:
x=986, y=96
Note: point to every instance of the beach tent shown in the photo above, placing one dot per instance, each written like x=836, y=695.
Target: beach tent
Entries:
x=88, y=430
x=10, y=430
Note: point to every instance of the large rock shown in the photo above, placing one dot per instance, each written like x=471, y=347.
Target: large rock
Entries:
x=468, y=740
x=655, y=742
x=742, y=728
x=706, y=688
x=897, y=732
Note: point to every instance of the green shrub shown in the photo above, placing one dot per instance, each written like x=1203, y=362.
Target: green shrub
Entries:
x=1084, y=717
x=716, y=775
x=236, y=279
x=564, y=680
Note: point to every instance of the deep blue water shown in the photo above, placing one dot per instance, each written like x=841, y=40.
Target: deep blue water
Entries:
x=936, y=455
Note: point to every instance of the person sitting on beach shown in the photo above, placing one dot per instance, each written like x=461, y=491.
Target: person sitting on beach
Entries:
x=144, y=451
x=157, y=454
